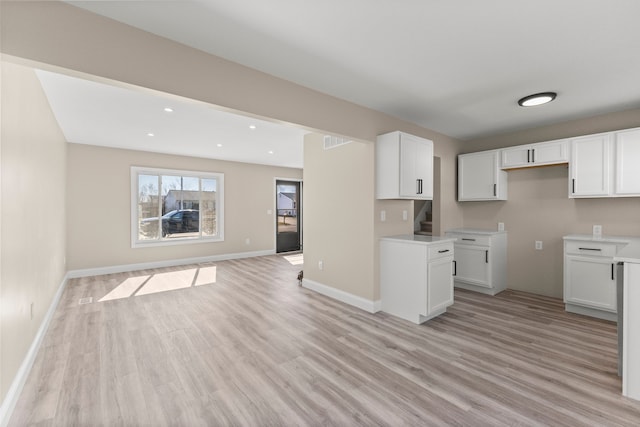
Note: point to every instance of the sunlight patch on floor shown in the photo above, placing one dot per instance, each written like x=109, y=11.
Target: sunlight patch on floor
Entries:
x=206, y=275
x=168, y=282
x=297, y=259
x=126, y=288
x=162, y=282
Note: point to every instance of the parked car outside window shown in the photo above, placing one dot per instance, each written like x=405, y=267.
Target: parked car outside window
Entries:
x=180, y=221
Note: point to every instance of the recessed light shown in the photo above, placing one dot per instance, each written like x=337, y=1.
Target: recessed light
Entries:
x=270, y=151
x=537, y=99
x=252, y=127
x=168, y=109
x=150, y=134
x=218, y=145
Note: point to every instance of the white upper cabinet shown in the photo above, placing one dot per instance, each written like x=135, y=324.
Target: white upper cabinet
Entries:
x=404, y=167
x=590, y=166
x=542, y=154
x=480, y=177
x=627, y=163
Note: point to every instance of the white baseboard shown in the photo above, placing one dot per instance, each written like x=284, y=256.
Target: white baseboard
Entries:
x=160, y=264
x=342, y=296
x=10, y=400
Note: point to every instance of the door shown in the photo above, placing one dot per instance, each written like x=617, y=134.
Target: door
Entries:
x=627, y=160
x=288, y=216
x=589, y=166
x=439, y=284
x=472, y=264
x=590, y=282
x=416, y=167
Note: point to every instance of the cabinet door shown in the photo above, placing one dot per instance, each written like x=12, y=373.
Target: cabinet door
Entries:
x=627, y=148
x=589, y=169
x=480, y=178
x=516, y=157
x=590, y=282
x=472, y=265
x=544, y=153
x=439, y=285
x=548, y=153
x=416, y=167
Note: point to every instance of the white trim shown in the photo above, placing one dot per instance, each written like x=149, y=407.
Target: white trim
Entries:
x=10, y=400
x=169, y=263
x=342, y=296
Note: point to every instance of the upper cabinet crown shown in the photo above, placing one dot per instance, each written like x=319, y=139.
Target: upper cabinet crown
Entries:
x=541, y=154
x=404, y=167
x=480, y=177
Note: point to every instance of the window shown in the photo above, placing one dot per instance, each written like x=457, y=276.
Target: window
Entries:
x=172, y=206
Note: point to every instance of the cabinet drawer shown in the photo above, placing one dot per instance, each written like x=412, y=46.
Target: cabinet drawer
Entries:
x=470, y=239
x=591, y=248
x=440, y=251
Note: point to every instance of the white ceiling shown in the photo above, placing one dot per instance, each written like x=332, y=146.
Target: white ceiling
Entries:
x=101, y=114
x=454, y=66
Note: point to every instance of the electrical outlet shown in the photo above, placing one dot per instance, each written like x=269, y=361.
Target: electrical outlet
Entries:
x=320, y=265
x=597, y=231
x=383, y=216
x=405, y=215
x=501, y=226
x=538, y=245
x=269, y=212
x=247, y=241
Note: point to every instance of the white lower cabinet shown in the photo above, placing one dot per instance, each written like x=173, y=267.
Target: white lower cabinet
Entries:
x=416, y=276
x=590, y=276
x=480, y=260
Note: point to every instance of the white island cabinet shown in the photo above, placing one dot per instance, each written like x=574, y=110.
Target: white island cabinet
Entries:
x=630, y=257
x=416, y=276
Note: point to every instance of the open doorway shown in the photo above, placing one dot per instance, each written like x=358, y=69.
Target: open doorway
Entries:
x=288, y=216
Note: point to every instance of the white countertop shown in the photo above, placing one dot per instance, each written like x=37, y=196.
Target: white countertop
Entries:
x=603, y=239
x=479, y=231
x=629, y=253
x=420, y=239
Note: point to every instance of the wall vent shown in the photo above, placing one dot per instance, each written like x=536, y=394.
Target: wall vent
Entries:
x=331, y=141
x=87, y=300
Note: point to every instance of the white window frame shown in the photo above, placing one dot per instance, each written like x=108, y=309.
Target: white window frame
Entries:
x=140, y=170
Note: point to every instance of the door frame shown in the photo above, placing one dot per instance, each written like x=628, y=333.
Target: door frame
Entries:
x=275, y=211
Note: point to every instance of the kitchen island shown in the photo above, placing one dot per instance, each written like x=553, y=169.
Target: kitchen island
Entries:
x=630, y=256
x=416, y=276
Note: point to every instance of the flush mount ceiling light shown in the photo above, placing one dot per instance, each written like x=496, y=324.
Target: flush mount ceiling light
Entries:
x=252, y=127
x=537, y=99
x=150, y=134
x=168, y=109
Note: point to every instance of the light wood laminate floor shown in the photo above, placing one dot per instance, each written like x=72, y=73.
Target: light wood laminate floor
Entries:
x=240, y=343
